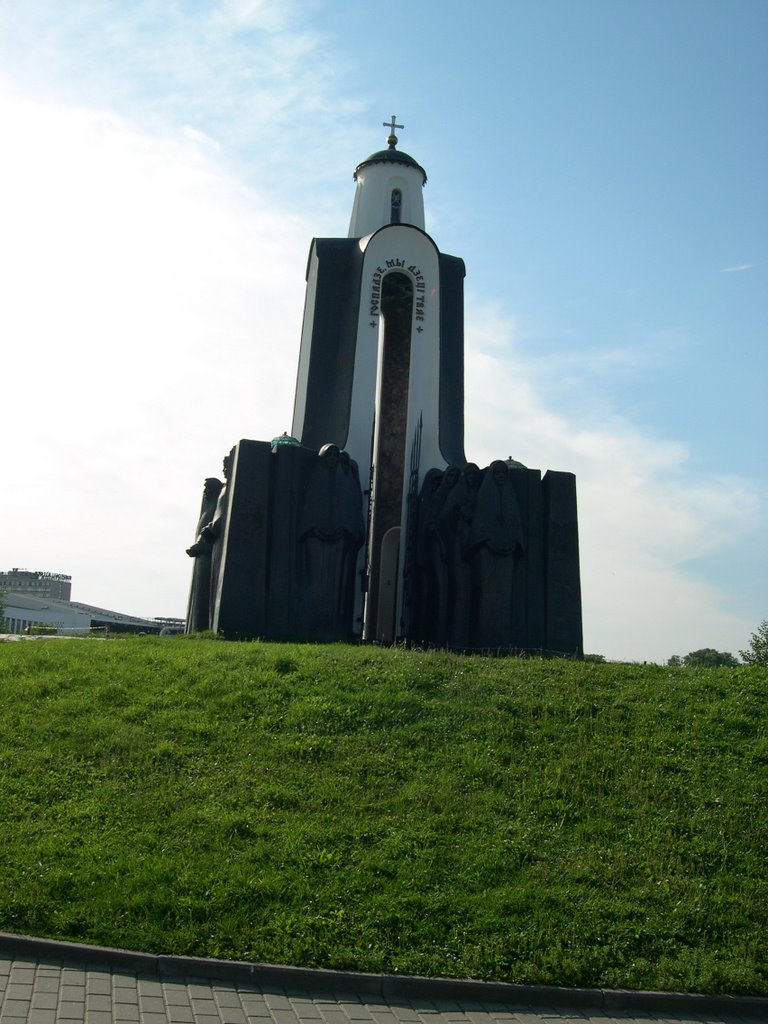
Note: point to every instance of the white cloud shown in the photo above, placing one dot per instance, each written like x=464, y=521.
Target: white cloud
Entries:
x=268, y=15
x=152, y=316
x=248, y=71
x=737, y=267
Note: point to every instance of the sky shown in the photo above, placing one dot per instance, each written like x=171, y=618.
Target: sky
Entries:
x=600, y=166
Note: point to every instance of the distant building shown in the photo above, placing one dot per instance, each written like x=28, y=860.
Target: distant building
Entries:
x=37, y=584
x=43, y=599
x=22, y=610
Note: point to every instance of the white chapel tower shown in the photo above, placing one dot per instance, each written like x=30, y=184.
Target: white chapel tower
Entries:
x=389, y=190
x=381, y=369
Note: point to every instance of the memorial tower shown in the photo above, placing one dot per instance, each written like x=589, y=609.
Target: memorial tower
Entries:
x=368, y=522
x=381, y=370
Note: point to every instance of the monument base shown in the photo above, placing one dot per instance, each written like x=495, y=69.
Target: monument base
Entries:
x=491, y=560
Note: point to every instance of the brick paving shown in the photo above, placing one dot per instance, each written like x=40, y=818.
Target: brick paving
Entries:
x=41, y=989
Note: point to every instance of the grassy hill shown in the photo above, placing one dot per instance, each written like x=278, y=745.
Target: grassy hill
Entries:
x=389, y=810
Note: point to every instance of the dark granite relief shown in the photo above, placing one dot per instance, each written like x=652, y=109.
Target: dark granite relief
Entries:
x=213, y=534
x=207, y=550
x=425, y=581
x=495, y=550
x=279, y=545
x=495, y=562
x=199, y=607
x=474, y=559
x=331, y=532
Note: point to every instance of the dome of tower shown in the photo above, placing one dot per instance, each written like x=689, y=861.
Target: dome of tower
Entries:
x=390, y=156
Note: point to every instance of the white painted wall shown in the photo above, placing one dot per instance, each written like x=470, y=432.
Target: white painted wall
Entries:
x=405, y=250
x=411, y=252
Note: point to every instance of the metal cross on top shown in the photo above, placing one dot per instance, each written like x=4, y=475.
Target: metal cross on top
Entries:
x=392, y=140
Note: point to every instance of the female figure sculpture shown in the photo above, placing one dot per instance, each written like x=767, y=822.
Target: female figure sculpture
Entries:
x=330, y=533
x=198, y=610
x=495, y=550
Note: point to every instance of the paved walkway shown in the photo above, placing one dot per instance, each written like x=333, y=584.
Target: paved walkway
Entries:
x=45, y=982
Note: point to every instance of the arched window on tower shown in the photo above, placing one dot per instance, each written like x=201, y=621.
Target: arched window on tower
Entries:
x=396, y=203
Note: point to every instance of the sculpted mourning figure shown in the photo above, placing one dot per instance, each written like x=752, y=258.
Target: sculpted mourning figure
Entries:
x=331, y=531
x=198, y=611
x=425, y=587
x=495, y=549
x=213, y=534
x=439, y=534
x=354, y=533
x=458, y=526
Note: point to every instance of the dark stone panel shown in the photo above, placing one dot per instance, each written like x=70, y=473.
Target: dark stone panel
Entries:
x=293, y=465
x=563, y=617
x=334, y=334
x=495, y=561
x=531, y=594
x=452, y=273
x=496, y=549
x=240, y=608
x=286, y=542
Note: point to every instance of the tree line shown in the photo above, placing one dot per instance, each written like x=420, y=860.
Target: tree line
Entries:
x=708, y=657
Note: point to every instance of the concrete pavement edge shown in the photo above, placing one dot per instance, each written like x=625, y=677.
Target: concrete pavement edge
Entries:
x=387, y=987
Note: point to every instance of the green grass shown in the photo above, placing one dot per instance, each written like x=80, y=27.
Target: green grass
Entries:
x=388, y=810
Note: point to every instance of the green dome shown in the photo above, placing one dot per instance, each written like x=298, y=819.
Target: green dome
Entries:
x=285, y=438
x=390, y=156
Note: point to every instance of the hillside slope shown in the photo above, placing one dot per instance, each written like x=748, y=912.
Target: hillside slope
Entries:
x=389, y=810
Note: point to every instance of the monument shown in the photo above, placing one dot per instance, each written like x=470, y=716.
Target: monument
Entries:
x=368, y=523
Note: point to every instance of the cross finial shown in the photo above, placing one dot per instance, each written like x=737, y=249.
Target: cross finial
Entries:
x=392, y=139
